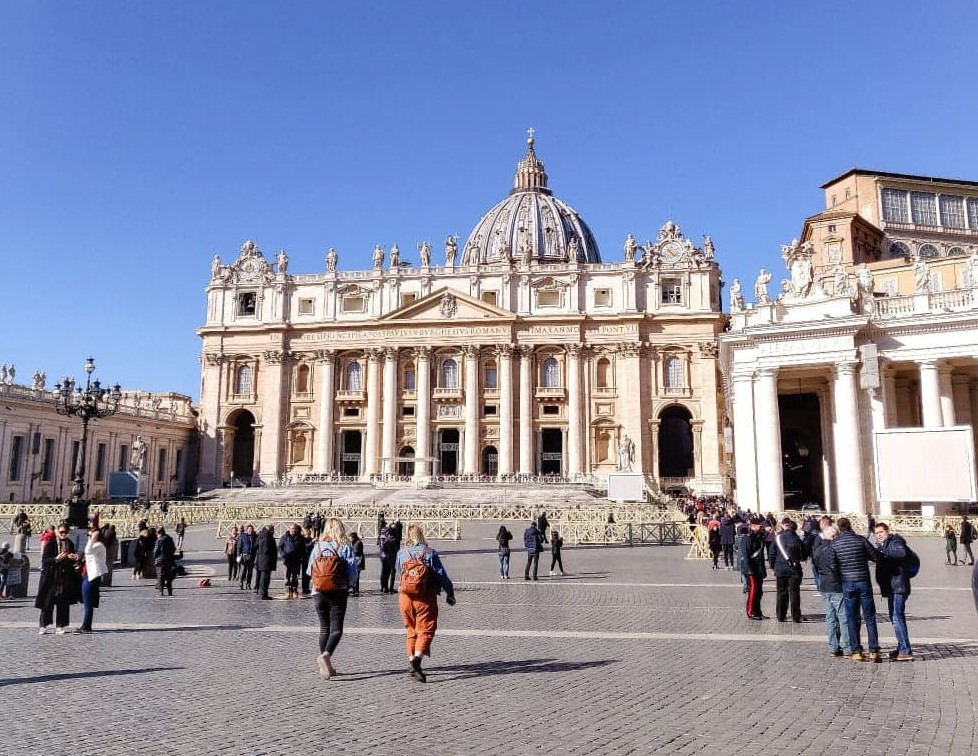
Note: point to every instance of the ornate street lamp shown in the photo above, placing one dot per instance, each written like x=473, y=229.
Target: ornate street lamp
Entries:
x=92, y=402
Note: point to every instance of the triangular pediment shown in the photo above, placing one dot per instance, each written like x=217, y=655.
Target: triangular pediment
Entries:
x=447, y=304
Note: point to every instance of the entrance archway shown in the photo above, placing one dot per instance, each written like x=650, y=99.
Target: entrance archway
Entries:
x=405, y=462
x=351, y=443
x=801, y=449
x=551, y=451
x=675, y=443
x=490, y=461
x=243, y=449
x=448, y=451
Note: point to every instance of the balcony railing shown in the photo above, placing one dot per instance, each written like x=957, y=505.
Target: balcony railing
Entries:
x=447, y=392
x=550, y=392
x=350, y=395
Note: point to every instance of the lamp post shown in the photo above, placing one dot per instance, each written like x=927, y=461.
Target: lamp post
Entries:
x=91, y=403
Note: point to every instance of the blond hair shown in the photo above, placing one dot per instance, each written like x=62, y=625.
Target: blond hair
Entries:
x=415, y=535
x=335, y=531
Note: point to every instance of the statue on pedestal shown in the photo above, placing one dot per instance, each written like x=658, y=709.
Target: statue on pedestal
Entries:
x=626, y=454
x=631, y=247
x=378, y=257
x=424, y=249
x=760, y=287
x=736, y=297
x=137, y=458
x=395, y=261
x=283, y=262
x=451, y=250
x=331, y=259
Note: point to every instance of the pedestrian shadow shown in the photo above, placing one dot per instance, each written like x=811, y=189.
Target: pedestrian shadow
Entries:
x=172, y=629
x=84, y=675
x=455, y=672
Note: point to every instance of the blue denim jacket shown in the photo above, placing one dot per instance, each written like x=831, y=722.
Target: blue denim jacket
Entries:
x=432, y=559
x=344, y=551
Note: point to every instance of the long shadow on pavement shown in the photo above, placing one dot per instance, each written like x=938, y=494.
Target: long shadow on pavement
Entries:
x=84, y=675
x=512, y=667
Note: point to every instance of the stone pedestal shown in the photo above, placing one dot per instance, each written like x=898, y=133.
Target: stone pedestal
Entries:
x=626, y=486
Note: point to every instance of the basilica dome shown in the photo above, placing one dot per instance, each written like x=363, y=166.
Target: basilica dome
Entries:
x=530, y=224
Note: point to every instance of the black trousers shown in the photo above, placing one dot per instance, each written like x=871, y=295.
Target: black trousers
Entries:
x=789, y=594
x=165, y=581
x=532, y=558
x=263, y=581
x=232, y=567
x=727, y=554
x=292, y=576
x=63, y=611
x=755, y=591
x=556, y=562
x=387, y=575
x=331, y=609
x=244, y=572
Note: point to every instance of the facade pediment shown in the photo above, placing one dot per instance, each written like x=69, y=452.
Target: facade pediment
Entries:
x=447, y=304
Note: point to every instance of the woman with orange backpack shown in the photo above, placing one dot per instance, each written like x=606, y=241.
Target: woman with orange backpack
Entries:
x=333, y=571
x=422, y=578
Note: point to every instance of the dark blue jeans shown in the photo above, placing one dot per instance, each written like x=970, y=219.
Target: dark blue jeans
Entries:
x=896, y=606
x=859, y=596
x=89, y=599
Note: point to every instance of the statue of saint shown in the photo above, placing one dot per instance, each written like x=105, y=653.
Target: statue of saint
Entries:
x=631, y=247
x=395, y=257
x=283, y=261
x=331, y=260
x=840, y=281
x=11, y=374
x=864, y=280
x=451, y=250
x=3, y=373
x=760, y=287
x=424, y=249
x=973, y=269
x=573, y=249
x=626, y=454
x=215, y=266
x=137, y=458
x=378, y=257
x=708, y=248
x=921, y=276
x=736, y=297
x=526, y=253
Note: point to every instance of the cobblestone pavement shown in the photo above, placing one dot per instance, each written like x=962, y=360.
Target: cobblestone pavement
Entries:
x=635, y=651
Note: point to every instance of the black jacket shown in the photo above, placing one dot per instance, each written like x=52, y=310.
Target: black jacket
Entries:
x=728, y=532
x=826, y=564
x=267, y=559
x=292, y=548
x=891, y=575
x=854, y=553
x=796, y=554
x=752, y=556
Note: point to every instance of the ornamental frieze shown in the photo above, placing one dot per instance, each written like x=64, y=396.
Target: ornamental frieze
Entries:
x=408, y=332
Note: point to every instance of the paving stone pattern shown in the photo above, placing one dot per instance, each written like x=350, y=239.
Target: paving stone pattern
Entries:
x=635, y=651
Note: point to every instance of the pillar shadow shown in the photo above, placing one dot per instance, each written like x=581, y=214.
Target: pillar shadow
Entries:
x=84, y=675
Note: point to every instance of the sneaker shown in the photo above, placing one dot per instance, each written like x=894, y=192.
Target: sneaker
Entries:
x=875, y=657
x=65, y=631
x=551, y=573
x=857, y=656
x=85, y=630
x=46, y=630
x=323, y=669
x=903, y=657
x=894, y=653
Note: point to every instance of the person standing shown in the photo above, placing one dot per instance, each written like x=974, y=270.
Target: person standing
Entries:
x=853, y=555
x=423, y=577
x=894, y=583
x=388, y=559
x=231, y=553
x=503, y=537
x=291, y=549
x=951, y=544
x=967, y=537
x=60, y=582
x=266, y=560
x=111, y=542
x=542, y=524
x=533, y=542
x=556, y=544
x=786, y=558
x=713, y=541
x=356, y=543
x=181, y=531
x=164, y=557
x=728, y=535
x=247, y=545
x=830, y=586
x=95, y=569
x=752, y=560
x=330, y=600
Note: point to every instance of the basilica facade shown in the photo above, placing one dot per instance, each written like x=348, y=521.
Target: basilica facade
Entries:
x=520, y=353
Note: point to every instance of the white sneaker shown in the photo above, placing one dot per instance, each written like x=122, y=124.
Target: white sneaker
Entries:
x=62, y=630
x=46, y=630
x=551, y=572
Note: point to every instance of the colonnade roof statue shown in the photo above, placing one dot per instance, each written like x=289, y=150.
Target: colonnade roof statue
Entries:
x=530, y=224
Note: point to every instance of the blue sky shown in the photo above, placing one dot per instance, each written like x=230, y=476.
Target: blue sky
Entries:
x=138, y=139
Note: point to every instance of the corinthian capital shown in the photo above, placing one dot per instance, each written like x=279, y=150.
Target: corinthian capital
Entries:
x=422, y=352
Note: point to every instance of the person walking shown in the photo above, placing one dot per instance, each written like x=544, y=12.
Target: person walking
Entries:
x=231, y=553
x=164, y=557
x=728, y=535
x=967, y=537
x=388, y=559
x=59, y=585
x=356, y=543
x=786, y=558
x=503, y=537
x=951, y=544
x=752, y=566
x=830, y=586
x=423, y=578
x=95, y=569
x=266, y=560
x=291, y=549
x=533, y=543
x=333, y=570
x=542, y=524
x=181, y=531
x=853, y=555
x=556, y=544
x=247, y=546
x=894, y=583
x=713, y=541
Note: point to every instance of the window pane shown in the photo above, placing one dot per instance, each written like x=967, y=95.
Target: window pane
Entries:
x=952, y=211
x=898, y=250
x=973, y=213
x=673, y=372
x=449, y=374
x=551, y=373
x=409, y=379
x=895, y=206
x=928, y=251
x=242, y=383
x=353, y=377
x=923, y=208
x=491, y=377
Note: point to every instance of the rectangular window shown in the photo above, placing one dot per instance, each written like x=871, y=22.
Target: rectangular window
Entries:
x=47, y=461
x=407, y=411
x=548, y=298
x=407, y=299
x=352, y=304
x=952, y=211
x=551, y=409
x=100, y=455
x=672, y=291
x=247, y=303
x=891, y=287
x=161, y=465
x=602, y=297
x=973, y=213
x=491, y=377
x=923, y=208
x=307, y=306
x=16, y=457
x=409, y=380
x=489, y=297
x=489, y=410
x=351, y=412
x=123, y=458
x=895, y=206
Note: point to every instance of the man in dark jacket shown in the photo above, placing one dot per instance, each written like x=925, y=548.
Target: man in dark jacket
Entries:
x=292, y=550
x=752, y=560
x=728, y=532
x=894, y=582
x=830, y=586
x=246, y=546
x=967, y=537
x=853, y=554
x=786, y=554
x=533, y=541
x=266, y=561
x=164, y=557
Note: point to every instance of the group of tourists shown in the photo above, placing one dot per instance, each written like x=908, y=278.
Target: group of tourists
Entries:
x=534, y=541
x=965, y=537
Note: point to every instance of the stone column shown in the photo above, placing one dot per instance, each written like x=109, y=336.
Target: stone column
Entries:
x=274, y=389
x=947, y=395
x=930, y=394
x=526, y=410
x=848, y=452
x=373, y=414
x=387, y=453
x=574, y=406
x=770, y=481
x=697, y=428
x=505, y=354
x=471, y=459
x=962, y=402
x=890, y=402
x=422, y=467
x=216, y=374
x=325, y=450
x=631, y=401
x=745, y=453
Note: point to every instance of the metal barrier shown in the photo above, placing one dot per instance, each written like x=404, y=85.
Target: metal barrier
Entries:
x=434, y=530
x=626, y=534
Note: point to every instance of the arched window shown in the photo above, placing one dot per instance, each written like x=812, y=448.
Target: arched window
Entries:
x=603, y=373
x=302, y=379
x=551, y=373
x=449, y=374
x=928, y=252
x=409, y=376
x=242, y=380
x=672, y=372
x=897, y=250
x=957, y=252
x=353, y=379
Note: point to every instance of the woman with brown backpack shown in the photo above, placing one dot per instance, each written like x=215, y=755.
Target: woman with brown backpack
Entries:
x=332, y=570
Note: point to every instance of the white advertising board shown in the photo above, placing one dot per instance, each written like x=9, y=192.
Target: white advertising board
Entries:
x=925, y=464
x=626, y=486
